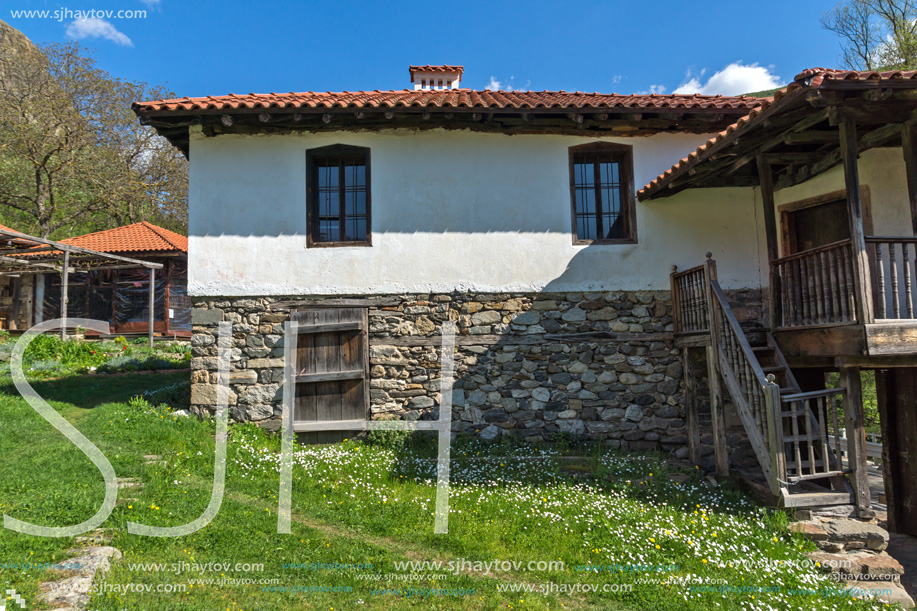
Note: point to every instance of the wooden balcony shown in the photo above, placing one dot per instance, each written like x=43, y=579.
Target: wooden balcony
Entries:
x=821, y=310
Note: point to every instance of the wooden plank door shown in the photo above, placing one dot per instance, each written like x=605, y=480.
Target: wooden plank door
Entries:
x=332, y=367
x=897, y=395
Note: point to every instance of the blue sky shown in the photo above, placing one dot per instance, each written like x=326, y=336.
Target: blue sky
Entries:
x=211, y=48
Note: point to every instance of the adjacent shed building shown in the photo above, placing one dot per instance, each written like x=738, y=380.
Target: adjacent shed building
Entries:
x=121, y=295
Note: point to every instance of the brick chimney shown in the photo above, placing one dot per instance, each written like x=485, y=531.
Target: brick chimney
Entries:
x=436, y=77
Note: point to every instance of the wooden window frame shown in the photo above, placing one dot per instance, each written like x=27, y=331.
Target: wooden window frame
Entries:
x=625, y=157
x=785, y=211
x=312, y=212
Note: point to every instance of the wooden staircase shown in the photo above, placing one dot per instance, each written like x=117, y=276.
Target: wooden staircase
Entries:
x=811, y=477
x=789, y=430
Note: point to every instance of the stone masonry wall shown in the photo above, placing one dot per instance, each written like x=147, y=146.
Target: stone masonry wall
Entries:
x=522, y=365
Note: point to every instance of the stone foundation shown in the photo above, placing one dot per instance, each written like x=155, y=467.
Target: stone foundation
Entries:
x=594, y=365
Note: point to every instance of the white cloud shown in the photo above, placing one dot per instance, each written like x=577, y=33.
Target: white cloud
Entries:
x=151, y=3
x=660, y=89
x=495, y=85
x=93, y=27
x=734, y=79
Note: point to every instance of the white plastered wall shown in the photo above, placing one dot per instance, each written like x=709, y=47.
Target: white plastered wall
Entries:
x=451, y=210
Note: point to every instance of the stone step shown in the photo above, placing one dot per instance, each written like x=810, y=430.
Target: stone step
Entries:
x=842, y=534
x=879, y=590
x=864, y=565
x=100, y=535
x=73, y=591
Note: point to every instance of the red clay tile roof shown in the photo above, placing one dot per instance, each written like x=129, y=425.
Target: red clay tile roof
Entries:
x=17, y=241
x=428, y=68
x=445, y=99
x=822, y=75
x=812, y=78
x=139, y=237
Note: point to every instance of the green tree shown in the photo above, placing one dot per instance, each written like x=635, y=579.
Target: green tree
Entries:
x=875, y=34
x=73, y=157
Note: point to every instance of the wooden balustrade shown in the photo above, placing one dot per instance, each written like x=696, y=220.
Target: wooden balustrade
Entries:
x=816, y=287
x=892, y=266
x=689, y=299
x=756, y=398
x=811, y=445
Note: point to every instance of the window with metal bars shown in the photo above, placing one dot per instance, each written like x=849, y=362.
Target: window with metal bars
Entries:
x=338, y=192
x=602, y=193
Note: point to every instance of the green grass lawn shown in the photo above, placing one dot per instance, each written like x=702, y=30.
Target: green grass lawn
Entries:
x=362, y=507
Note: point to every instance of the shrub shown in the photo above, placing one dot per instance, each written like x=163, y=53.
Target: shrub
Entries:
x=176, y=348
x=43, y=348
x=176, y=396
x=119, y=363
x=139, y=402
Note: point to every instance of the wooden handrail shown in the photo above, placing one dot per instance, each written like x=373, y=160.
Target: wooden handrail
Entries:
x=695, y=269
x=815, y=394
x=739, y=333
x=873, y=239
x=812, y=251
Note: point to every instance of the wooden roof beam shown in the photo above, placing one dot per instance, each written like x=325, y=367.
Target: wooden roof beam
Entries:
x=77, y=249
x=801, y=126
x=818, y=136
x=868, y=140
x=20, y=262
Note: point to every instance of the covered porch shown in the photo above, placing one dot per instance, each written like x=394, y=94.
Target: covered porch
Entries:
x=841, y=268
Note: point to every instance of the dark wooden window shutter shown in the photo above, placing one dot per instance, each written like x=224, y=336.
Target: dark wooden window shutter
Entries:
x=332, y=369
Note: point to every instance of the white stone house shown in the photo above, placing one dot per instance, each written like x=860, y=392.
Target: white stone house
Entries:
x=372, y=217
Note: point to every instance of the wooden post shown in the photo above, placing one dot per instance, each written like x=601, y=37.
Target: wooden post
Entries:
x=152, y=303
x=720, y=450
x=17, y=298
x=114, y=299
x=766, y=178
x=861, y=276
x=856, y=437
x=88, y=292
x=676, y=307
x=63, y=295
x=909, y=149
x=718, y=420
x=691, y=406
x=166, y=294
x=885, y=391
x=774, y=407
